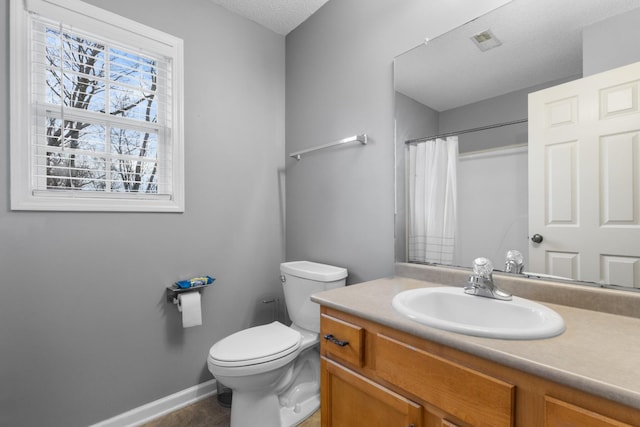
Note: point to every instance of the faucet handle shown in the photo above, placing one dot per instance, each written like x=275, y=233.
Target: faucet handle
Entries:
x=515, y=256
x=481, y=282
x=514, y=262
x=482, y=267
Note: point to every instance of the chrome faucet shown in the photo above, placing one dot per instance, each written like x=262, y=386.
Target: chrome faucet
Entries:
x=514, y=262
x=481, y=281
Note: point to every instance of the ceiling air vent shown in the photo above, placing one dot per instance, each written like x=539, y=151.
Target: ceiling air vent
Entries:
x=486, y=40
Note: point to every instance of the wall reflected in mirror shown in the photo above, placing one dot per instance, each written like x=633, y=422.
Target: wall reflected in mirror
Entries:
x=450, y=86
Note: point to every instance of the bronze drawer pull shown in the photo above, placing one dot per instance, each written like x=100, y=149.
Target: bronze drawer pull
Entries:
x=336, y=341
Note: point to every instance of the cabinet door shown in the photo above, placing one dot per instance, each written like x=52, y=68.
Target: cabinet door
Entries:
x=562, y=414
x=349, y=399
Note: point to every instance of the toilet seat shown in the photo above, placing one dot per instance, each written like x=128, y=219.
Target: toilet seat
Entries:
x=256, y=345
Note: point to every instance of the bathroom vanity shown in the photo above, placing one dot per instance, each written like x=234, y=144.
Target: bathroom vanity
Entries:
x=380, y=368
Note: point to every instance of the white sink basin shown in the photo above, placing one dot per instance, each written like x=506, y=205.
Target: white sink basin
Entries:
x=449, y=308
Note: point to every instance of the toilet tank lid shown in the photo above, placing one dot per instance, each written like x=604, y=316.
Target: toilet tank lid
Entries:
x=313, y=271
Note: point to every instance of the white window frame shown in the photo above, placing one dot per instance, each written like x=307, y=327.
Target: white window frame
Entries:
x=25, y=195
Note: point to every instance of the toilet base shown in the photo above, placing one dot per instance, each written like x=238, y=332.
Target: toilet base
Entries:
x=290, y=418
x=258, y=409
x=282, y=398
x=255, y=409
x=302, y=398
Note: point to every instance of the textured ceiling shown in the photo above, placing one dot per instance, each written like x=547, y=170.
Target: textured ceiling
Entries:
x=280, y=16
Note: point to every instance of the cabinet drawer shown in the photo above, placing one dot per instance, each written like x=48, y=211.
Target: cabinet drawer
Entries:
x=350, y=399
x=559, y=413
x=468, y=395
x=341, y=340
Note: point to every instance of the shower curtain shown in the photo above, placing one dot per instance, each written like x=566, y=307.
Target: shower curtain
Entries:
x=432, y=195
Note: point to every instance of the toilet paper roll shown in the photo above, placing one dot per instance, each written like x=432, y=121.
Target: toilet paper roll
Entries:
x=189, y=305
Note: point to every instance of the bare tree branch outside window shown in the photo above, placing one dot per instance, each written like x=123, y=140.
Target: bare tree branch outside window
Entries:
x=89, y=82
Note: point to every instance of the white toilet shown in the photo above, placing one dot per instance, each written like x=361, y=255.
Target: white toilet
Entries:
x=274, y=370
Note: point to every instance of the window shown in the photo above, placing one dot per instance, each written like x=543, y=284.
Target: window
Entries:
x=96, y=111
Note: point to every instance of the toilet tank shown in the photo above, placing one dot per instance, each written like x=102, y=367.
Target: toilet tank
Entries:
x=301, y=279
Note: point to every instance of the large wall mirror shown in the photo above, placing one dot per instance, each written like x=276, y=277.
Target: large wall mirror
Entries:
x=471, y=85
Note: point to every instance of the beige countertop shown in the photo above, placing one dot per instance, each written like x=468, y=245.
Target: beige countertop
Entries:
x=598, y=353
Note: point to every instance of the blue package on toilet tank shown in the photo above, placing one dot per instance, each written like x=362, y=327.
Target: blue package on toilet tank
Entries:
x=196, y=281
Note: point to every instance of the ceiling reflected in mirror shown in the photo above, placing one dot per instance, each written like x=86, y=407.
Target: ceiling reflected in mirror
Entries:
x=541, y=41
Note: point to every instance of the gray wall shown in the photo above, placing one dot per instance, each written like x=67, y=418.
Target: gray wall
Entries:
x=501, y=109
x=85, y=331
x=622, y=32
x=340, y=202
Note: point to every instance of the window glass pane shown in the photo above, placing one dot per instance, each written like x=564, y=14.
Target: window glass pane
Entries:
x=132, y=70
x=52, y=43
x=133, y=104
x=70, y=164
x=67, y=170
x=53, y=60
x=134, y=94
x=83, y=63
x=85, y=136
x=71, y=171
x=77, y=135
x=134, y=176
x=84, y=93
x=54, y=131
x=134, y=143
x=136, y=167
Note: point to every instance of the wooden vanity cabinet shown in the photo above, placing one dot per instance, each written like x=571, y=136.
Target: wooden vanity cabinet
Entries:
x=351, y=399
x=560, y=413
x=373, y=375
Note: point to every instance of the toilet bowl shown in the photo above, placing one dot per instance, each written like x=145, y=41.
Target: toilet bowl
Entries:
x=274, y=370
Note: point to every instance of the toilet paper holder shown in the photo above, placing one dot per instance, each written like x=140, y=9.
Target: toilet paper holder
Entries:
x=173, y=292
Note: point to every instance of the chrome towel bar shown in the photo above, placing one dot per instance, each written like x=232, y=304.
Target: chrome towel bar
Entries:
x=356, y=138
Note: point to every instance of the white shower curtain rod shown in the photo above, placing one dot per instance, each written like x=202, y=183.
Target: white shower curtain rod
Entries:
x=460, y=132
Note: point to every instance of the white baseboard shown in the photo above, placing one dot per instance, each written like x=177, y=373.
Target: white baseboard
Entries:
x=150, y=411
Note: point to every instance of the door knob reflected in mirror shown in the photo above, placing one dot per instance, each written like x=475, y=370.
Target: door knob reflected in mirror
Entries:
x=536, y=238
